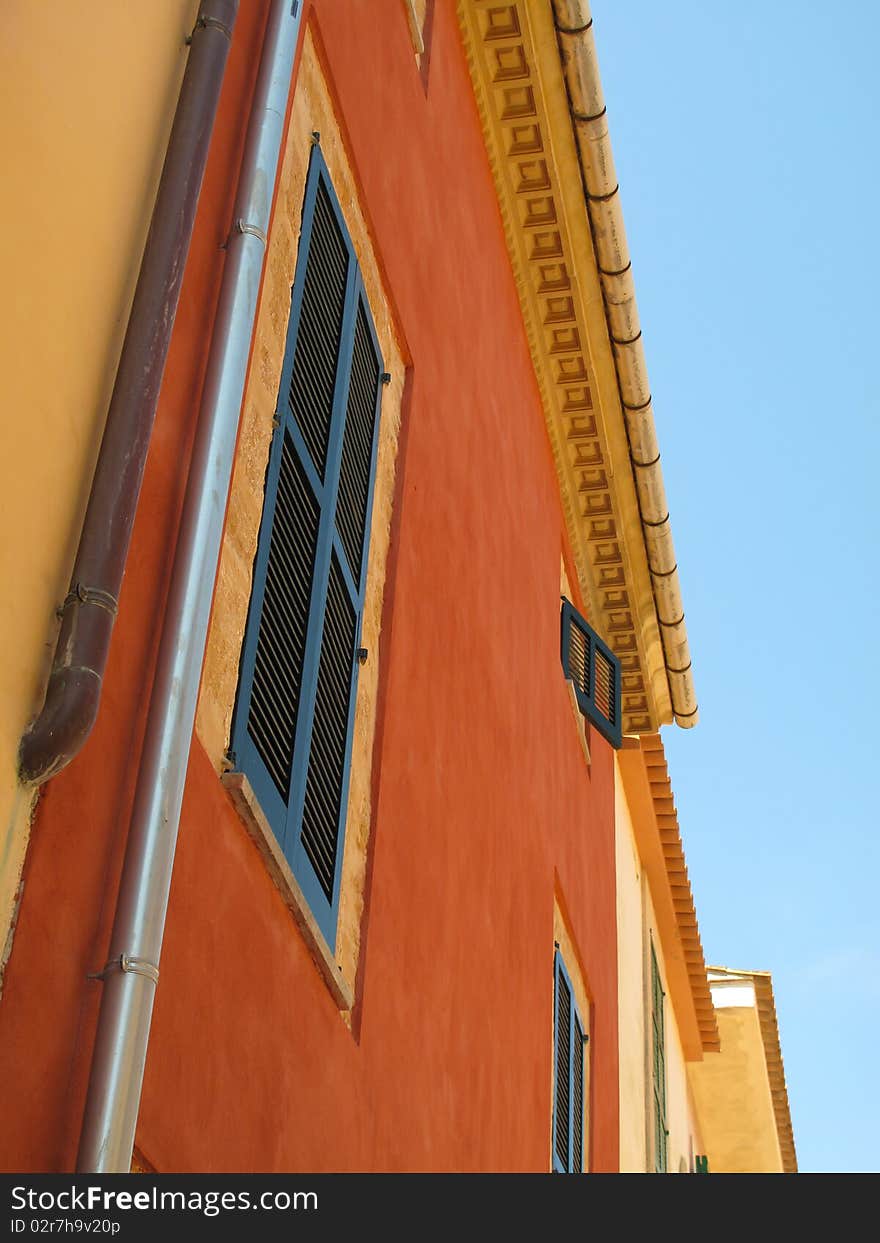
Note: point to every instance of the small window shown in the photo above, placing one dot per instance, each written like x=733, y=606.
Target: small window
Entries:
x=568, y=1090
x=658, y=1063
x=420, y=16
x=293, y=720
x=594, y=670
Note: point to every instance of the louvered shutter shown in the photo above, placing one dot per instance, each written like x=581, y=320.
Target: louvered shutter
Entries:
x=563, y=1069
x=319, y=330
x=281, y=634
x=568, y=1091
x=295, y=707
x=577, y=1097
x=594, y=671
x=658, y=1059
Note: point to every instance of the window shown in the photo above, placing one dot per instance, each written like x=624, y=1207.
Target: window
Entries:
x=420, y=15
x=568, y=1091
x=293, y=718
x=594, y=671
x=658, y=1062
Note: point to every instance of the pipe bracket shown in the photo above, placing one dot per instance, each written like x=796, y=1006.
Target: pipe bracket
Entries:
x=586, y=117
x=603, y=198
x=615, y=271
x=242, y=226
x=80, y=594
x=635, y=409
x=210, y=23
x=129, y=965
x=575, y=30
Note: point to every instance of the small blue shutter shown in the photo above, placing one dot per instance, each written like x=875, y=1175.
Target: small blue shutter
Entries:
x=594, y=671
x=568, y=1076
x=294, y=711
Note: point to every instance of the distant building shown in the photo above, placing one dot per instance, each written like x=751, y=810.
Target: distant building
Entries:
x=740, y=1092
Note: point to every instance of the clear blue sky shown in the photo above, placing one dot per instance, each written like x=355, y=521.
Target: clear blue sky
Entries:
x=745, y=138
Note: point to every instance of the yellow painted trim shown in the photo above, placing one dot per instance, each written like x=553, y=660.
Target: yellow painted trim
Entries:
x=521, y=95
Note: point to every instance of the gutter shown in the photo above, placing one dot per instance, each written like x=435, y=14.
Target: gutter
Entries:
x=89, y=610
x=132, y=971
x=577, y=49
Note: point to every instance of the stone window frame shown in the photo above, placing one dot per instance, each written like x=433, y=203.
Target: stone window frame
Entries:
x=313, y=118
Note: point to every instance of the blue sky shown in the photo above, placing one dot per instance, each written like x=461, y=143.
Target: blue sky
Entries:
x=746, y=149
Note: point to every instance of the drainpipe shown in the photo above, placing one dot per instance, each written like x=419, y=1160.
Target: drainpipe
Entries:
x=89, y=610
x=132, y=971
x=574, y=31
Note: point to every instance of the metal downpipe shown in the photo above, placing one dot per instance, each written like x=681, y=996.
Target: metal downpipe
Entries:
x=89, y=610
x=132, y=973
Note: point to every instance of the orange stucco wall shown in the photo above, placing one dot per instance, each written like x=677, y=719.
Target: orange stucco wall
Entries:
x=483, y=804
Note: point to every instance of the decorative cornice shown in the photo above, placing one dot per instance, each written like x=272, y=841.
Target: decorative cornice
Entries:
x=521, y=95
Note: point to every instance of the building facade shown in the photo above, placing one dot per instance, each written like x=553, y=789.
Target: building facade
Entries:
x=396, y=765
x=741, y=1092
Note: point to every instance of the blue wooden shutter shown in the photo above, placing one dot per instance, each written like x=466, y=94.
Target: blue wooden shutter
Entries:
x=577, y=1095
x=295, y=706
x=594, y=671
x=568, y=1091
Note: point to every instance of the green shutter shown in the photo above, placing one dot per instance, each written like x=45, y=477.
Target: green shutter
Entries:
x=658, y=1067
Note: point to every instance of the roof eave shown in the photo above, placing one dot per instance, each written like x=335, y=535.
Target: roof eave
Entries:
x=533, y=68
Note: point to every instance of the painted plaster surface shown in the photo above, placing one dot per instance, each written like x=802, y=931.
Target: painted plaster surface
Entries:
x=632, y=994
x=732, y=1093
x=636, y=929
x=116, y=93
x=85, y=109
x=482, y=807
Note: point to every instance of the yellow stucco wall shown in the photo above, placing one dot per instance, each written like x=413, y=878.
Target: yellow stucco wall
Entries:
x=732, y=1094
x=636, y=928
x=632, y=993
x=685, y=1137
x=87, y=95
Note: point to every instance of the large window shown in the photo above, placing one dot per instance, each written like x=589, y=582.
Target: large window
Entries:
x=293, y=721
x=568, y=1079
